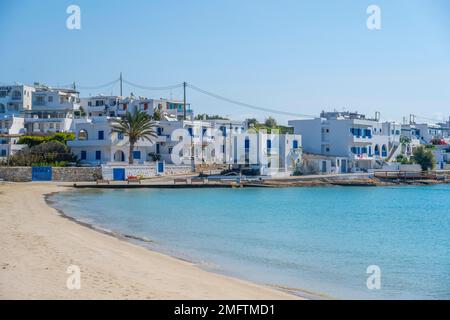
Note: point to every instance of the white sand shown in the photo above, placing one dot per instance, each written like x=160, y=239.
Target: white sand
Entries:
x=37, y=246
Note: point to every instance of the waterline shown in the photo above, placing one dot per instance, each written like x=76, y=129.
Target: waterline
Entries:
x=320, y=239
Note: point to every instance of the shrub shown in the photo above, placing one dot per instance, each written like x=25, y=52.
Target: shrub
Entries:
x=34, y=140
x=51, y=153
x=154, y=156
x=424, y=157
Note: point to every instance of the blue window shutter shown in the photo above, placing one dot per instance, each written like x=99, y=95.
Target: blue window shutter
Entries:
x=98, y=155
x=247, y=143
x=190, y=131
x=120, y=135
x=269, y=144
x=137, y=155
x=295, y=144
x=83, y=155
x=101, y=135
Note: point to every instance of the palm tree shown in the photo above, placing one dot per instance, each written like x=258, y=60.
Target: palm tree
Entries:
x=136, y=126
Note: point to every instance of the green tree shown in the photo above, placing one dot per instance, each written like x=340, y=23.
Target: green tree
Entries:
x=252, y=121
x=156, y=115
x=424, y=157
x=270, y=122
x=205, y=116
x=136, y=126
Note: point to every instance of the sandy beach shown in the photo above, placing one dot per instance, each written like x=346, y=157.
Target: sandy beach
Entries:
x=38, y=245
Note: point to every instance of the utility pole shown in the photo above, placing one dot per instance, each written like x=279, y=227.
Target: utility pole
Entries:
x=121, y=84
x=184, y=100
x=231, y=151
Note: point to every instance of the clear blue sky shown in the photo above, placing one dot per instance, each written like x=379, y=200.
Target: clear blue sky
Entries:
x=296, y=56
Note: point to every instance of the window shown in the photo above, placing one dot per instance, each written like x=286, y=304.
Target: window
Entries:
x=82, y=135
x=83, y=155
x=89, y=104
x=120, y=135
x=269, y=144
x=17, y=95
x=101, y=135
x=159, y=131
x=39, y=101
x=3, y=153
x=98, y=155
x=137, y=155
x=170, y=150
x=145, y=106
x=247, y=143
x=99, y=103
x=3, y=93
x=190, y=132
x=50, y=98
x=2, y=108
x=125, y=106
x=295, y=144
x=51, y=125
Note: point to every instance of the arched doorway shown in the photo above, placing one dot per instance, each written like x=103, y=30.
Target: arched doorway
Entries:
x=377, y=150
x=119, y=156
x=384, y=151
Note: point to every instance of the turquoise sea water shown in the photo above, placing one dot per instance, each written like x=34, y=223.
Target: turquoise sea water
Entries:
x=319, y=239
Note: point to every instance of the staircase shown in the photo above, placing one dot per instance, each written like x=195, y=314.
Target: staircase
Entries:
x=395, y=151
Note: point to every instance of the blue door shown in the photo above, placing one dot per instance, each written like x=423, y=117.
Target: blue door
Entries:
x=41, y=173
x=161, y=167
x=119, y=174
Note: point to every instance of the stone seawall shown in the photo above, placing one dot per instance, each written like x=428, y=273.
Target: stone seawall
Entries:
x=63, y=174
x=74, y=174
x=15, y=174
x=146, y=171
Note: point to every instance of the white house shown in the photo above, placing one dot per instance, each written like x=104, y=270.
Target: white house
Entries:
x=173, y=108
x=425, y=132
x=52, y=110
x=100, y=105
x=14, y=100
x=349, y=135
x=96, y=143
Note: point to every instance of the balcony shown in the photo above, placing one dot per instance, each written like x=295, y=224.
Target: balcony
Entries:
x=40, y=120
x=96, y=108
x=89, y=143
x=362, y=139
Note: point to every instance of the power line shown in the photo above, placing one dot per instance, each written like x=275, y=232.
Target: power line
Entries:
x=425, y=118
x=99, y=86
x=179, y=85
x=247, y=105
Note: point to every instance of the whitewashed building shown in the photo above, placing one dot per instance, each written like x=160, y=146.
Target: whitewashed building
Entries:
x=52, y=110
x=425, y=132
x=349, y=135
x=99, y=106
x=96, y=143
x=14, y=101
